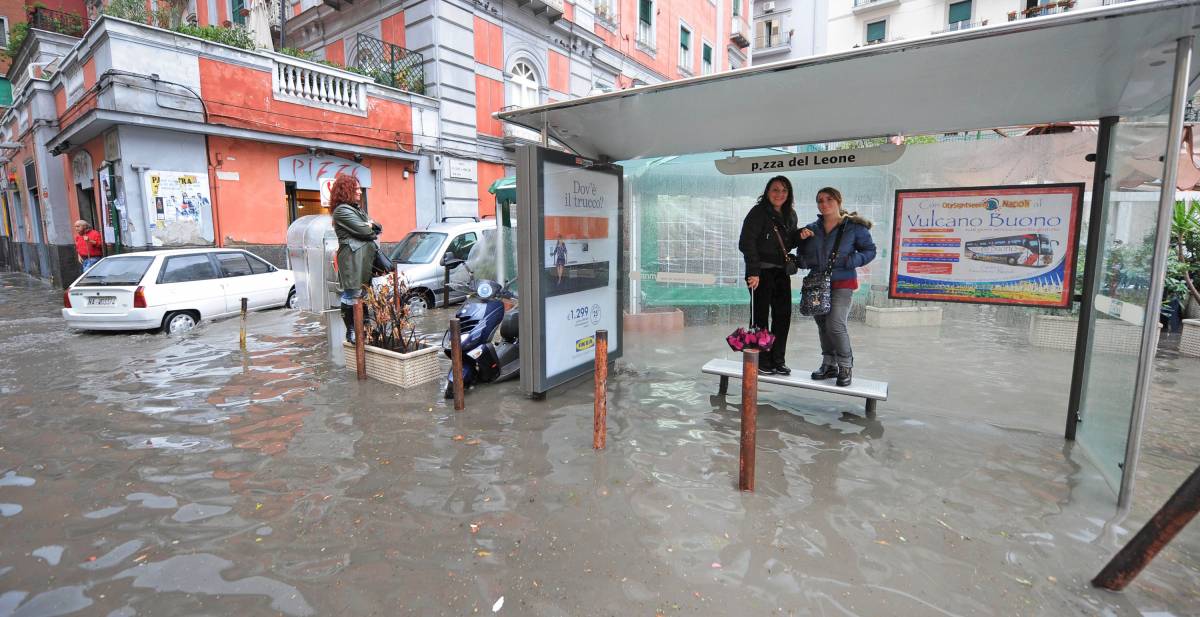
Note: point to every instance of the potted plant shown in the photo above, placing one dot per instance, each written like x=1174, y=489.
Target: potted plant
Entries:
x=394, y=352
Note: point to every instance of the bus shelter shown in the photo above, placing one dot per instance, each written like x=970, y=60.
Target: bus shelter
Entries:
x=667, y=171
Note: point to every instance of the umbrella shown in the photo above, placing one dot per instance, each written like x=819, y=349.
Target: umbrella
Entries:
x=259, y=23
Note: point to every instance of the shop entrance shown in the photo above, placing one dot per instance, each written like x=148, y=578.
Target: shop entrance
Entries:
x=306, y=202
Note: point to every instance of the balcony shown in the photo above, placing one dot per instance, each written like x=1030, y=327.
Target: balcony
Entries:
x=551, y=9
x=1041, y=10
x=862, y=6
x=390, y=65
x=315, y=85
x=961, y=25
x=739, y=32
x=766, y=45
x=70, y=24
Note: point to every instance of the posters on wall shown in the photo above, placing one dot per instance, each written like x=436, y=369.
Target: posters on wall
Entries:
x=987, y=245
x=177, y=204
x=578, y=264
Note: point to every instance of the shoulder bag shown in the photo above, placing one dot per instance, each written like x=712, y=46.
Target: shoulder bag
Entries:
x=789, y=264
x=815, y=290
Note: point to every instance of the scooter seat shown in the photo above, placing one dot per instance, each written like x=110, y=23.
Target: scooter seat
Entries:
x=509, y=327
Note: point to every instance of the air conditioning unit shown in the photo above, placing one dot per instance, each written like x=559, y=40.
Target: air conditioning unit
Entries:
x=768, y=7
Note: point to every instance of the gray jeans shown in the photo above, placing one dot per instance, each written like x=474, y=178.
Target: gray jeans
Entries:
x=835, y=338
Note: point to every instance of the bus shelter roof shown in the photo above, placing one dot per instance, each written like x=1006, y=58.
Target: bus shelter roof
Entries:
x=1080, y=65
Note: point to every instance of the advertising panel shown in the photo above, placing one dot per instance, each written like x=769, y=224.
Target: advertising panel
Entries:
x=177, y=204
x=987, y=245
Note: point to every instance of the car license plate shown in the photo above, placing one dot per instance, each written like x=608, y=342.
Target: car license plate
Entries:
x=102, y=301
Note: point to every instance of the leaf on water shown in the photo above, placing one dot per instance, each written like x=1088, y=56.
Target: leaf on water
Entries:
x=473, y=442
x=498, y=605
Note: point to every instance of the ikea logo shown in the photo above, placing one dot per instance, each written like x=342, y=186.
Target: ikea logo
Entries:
x=586, y=342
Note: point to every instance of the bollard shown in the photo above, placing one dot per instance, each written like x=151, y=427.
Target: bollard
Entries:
x=396, y=291
x=360, y=344
x=749, y=419
x=242, y=337
x=460, y=402
x=1174, y=515
x=600, y=407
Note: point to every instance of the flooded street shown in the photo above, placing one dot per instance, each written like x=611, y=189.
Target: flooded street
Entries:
x=142, y=474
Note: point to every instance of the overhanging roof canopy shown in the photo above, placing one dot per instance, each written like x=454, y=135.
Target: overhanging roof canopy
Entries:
x=1080, y=65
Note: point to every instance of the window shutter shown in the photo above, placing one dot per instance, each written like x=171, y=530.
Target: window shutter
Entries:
x=707, y=54
x=876, y=31
x=645, y=7
x=960, y=11
x=685, y=39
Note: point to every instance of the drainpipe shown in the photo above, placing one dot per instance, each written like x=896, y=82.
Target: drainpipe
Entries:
x=141, y=170
x=213, y=188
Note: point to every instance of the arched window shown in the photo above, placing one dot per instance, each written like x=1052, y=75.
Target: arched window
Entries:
x=525, y=90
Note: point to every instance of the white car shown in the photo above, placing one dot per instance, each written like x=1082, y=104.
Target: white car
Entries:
x=173, y=290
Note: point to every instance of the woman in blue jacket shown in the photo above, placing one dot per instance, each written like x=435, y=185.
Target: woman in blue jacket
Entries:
x=855, y=249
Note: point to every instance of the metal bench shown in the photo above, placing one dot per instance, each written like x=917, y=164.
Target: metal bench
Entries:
x=872, y=391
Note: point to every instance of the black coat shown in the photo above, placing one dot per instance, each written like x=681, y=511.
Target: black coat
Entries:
x=759, y=244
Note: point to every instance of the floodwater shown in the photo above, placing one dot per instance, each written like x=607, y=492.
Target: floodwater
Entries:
x=149, y=475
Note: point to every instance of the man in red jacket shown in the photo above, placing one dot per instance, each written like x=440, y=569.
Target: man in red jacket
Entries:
x=89, y=247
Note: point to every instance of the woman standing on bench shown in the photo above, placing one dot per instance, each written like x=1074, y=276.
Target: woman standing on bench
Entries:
x=768, y=234
x=855, y=249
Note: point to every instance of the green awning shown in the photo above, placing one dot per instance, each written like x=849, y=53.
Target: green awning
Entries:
x=5, y=92
x=505, y=190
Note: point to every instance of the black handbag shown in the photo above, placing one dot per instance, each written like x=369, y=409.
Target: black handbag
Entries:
x=816, y=289
x=381, y=264
x=789, y=264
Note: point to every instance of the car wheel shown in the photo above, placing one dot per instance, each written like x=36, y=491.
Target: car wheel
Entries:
x=178, y=323
x=291, y=300
x=419, y=302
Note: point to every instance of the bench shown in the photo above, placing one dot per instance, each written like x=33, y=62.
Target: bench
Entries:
x=872, y=391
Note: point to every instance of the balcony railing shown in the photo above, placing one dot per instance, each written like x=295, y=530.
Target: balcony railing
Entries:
x=390, y=65
x=961, y=25
x=1041, y=10
x=739, y=32
x=768, y=42
x=70, y=24
x=312, y=84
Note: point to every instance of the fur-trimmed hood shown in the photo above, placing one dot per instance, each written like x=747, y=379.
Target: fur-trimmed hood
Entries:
x=853, y=217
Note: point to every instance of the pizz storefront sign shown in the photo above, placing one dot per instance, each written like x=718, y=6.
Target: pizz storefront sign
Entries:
x=307, y=170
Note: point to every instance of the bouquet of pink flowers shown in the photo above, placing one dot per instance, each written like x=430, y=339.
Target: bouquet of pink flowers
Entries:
x=754, y=338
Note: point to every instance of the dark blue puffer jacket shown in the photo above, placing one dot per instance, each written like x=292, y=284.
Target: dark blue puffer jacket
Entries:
x=857, y=247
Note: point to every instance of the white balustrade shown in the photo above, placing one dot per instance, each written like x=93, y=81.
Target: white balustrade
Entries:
x=313, y=84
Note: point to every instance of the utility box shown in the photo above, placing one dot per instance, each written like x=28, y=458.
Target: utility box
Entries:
x=311, y=248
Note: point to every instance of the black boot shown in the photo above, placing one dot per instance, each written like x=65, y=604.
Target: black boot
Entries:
x=348, y=319
x=843, y=376
x=825, y=372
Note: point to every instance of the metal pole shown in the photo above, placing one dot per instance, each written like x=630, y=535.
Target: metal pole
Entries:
x=456, y=364
x=1158, y=272
x=242, y=335
x=396, y=290
x=282, y=22
x=360, y=345
x=446, y=286
x=1170, y=519
x=1097, y=223
x=600, y=405
x=749, y=419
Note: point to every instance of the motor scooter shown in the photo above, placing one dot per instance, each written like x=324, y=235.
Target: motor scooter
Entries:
x=479, y=317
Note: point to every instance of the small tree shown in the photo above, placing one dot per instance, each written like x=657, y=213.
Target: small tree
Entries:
x=132, y=10
x=1185, y=239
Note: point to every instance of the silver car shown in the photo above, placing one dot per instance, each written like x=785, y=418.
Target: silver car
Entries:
x=420, y=255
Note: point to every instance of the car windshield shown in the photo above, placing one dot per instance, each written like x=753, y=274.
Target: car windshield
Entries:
x=418, y=247
x=117, y=271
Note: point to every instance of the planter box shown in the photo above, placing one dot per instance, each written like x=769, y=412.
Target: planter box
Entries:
x=1189, y=341
x=1111, y=335
x=402, y=369
x=903, y=316
x=660, y=320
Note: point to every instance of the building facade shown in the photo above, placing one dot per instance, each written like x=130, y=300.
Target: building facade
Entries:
x=161, y=138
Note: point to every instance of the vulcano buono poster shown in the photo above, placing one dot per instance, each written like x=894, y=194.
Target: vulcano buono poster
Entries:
x=987, y=245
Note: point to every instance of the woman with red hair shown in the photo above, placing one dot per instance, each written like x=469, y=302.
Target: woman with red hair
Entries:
x=356, y=245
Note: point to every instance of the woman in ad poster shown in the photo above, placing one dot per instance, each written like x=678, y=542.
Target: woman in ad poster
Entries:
x=855, y=249
x=768, y=233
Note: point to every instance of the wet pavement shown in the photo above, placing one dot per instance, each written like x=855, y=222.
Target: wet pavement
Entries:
x=149, y=475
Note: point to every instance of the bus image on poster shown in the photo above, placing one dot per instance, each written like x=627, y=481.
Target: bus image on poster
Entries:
x=987, y=245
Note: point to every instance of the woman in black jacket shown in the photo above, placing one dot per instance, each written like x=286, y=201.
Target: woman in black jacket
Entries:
x=768, y=234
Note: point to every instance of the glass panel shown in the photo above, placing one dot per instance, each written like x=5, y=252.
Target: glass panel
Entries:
x=707, y=54
x=1122, y=297
x=645, y=8
x=117, y=271
x=233, y=264
x=876, y=31
x=685, y=38
x=960, y=11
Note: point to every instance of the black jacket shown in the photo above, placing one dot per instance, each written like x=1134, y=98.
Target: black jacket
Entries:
x=758, y=243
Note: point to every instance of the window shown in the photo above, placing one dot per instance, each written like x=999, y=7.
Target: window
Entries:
x=606, y=11
x=3, y=31
x=461, y=246
x=418, y=247
x=645, y=34
x=258, y=266
x=960, y=13
x=524, y=86
x=117, y=271
x=706, y=56
x=233, y=264
x=737, y=7
x=186, y=268
x=876, y=31
x=766, y=33
x=236, y=8
x=685, y=48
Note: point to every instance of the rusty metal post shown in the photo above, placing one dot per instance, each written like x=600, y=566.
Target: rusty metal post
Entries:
x=749, y=419
x=396, y=290
x=600, y=407
x=360, y=343
x=460, y=402
x=242, y=336
x=1170, y=519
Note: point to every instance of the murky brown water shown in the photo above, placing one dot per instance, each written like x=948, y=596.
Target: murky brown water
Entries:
x=147, y=475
